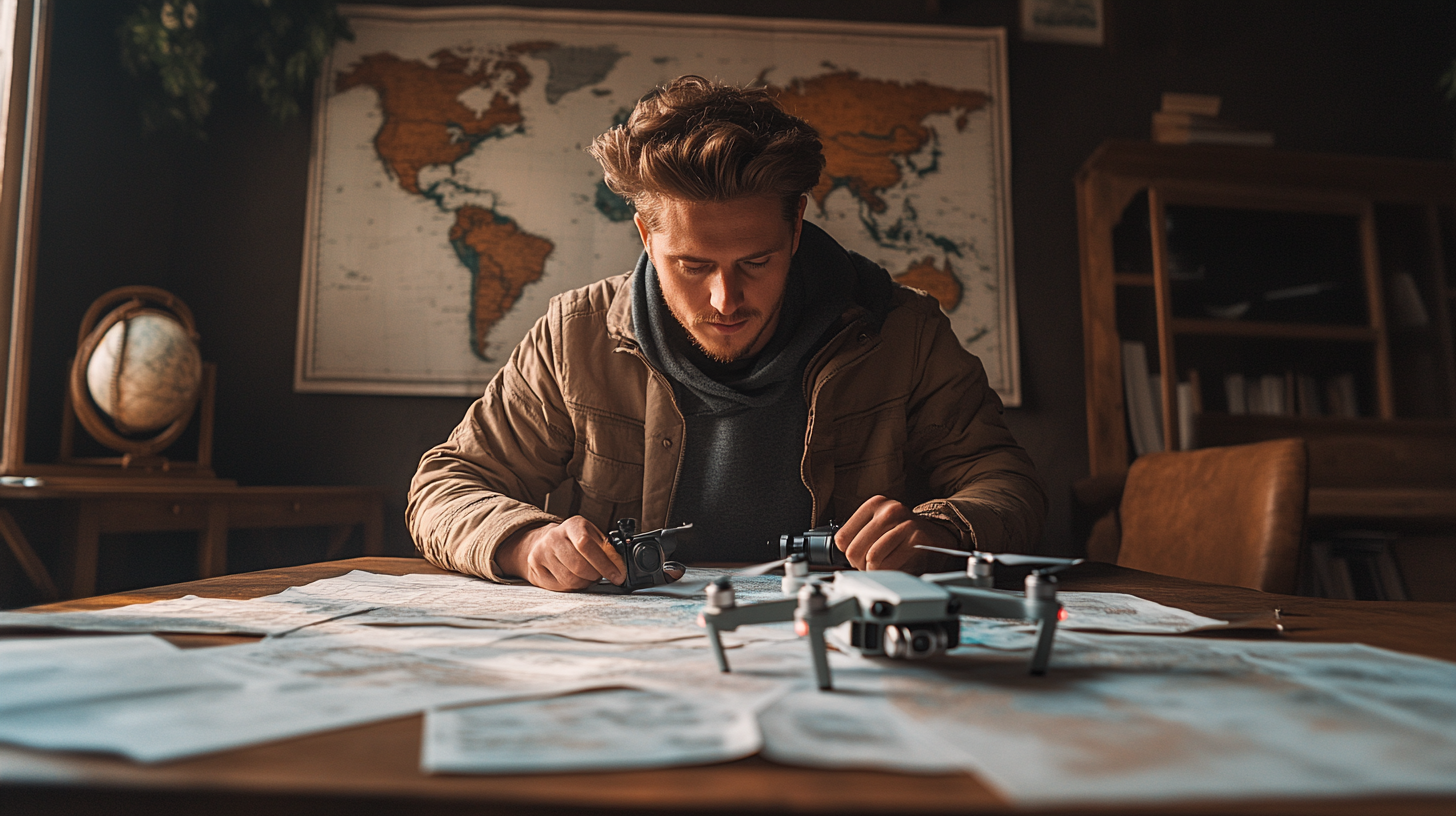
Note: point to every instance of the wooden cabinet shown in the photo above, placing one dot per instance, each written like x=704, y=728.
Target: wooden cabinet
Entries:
x=1321, y=275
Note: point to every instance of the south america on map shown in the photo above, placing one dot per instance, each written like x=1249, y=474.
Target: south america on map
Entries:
x=452, y=195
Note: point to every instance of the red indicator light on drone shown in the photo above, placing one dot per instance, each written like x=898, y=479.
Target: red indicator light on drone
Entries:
x=1062, y=614
x=801, y=627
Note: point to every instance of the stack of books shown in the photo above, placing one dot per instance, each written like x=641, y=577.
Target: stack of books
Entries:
x=1142, y=393
x=1292, y=395
x=1193, y=119
x=1354, y=565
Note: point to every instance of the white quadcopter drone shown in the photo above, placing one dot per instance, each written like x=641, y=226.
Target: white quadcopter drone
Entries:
x=887, y=612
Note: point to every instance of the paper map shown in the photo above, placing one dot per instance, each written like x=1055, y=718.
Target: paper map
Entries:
x=519, y=680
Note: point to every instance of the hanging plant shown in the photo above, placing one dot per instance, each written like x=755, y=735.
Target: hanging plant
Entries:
x=179, y=51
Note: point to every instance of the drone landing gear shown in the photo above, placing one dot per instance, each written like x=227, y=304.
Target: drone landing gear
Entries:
x=815, y=614
x=811, y=612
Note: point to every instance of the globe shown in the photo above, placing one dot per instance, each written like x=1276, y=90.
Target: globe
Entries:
x=145, y=372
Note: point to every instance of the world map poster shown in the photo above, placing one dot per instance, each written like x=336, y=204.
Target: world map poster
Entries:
x=451, y=195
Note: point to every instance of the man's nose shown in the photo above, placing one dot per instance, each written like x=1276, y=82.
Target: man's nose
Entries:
x=726, y=292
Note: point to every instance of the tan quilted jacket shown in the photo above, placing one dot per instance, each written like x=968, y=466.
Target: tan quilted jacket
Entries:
x=898, y=409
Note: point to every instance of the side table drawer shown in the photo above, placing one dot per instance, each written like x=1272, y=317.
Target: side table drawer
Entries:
x=147, y=515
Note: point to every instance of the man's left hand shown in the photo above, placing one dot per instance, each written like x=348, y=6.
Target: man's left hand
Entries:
x=883, y=533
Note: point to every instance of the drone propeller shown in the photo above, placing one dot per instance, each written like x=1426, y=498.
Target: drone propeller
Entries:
x=1011, y=559
x=762, y=569
x=689, y=588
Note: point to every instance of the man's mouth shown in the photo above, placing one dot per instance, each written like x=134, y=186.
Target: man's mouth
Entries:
x=728, y=328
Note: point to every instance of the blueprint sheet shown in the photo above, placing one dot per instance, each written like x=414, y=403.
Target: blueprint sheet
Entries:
x=517, y=679
x=192, y=615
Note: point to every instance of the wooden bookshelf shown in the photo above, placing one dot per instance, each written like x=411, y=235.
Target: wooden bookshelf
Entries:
x=1302, y=249
x=1273, y=331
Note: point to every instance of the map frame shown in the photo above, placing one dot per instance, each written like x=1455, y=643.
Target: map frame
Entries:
x=311, y=377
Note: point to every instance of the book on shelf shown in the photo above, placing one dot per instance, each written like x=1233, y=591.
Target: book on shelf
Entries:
x=1364, y=557
x=1140, y=398
x=1191, y=103
x=1330, y=571
x=1193, y=119
x=1143, y=396
x=1164, y=133
x=1340, y=400
x=1307, y=398
x=1407, y=310
x=1186, y=411
x=1266, y=395
x=1291, y=394
x=1236, y=394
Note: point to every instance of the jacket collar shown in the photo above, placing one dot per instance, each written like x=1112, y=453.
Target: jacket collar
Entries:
x=619, y=311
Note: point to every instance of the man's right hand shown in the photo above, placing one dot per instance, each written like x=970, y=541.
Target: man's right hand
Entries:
x=561, y=557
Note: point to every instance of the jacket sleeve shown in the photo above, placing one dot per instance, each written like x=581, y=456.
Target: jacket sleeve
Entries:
x=992, y=494
x=491, y=477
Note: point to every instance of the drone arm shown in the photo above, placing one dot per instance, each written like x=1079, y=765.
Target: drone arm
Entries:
x=956, y=578
x=717, y=640
x=989, y=603
x=840, y=611
x=767, y=612
x=1046, y=630
x=812, y=624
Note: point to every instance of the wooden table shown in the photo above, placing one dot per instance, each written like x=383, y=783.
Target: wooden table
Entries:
x=375, y=768
x=210, y=507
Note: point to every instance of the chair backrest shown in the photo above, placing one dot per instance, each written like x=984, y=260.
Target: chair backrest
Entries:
x=1231, y=515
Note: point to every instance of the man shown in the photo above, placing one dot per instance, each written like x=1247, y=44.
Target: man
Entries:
x=749, y=376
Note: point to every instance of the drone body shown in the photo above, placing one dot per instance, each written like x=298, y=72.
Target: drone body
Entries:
x=889, y=613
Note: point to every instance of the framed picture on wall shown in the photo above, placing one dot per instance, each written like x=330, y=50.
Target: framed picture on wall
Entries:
x=1079, y=22
x=451, y=196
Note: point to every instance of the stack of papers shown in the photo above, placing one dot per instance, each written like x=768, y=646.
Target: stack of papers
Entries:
x=519, y=680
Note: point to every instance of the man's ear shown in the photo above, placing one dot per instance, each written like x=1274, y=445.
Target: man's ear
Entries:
x=799, y=222
x=642, y=231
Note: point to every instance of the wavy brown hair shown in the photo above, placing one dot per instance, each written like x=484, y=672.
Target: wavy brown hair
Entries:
x=699, y=140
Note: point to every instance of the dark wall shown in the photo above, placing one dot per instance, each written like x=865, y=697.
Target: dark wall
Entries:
x=220, y=223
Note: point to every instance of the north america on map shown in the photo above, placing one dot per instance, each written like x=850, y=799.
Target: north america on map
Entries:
x=438, y=111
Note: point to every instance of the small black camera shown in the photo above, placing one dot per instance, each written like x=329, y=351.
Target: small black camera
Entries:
x=817, y=545
x=644, y=554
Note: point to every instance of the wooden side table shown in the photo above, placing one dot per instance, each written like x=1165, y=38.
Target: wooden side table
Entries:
x=210, y=508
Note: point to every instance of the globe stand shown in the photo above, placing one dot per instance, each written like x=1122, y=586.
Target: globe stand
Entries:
x=140, y=457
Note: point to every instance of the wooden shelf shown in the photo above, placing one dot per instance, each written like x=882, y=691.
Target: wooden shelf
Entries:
x=1123, y=178
x=1278, y=331
x=1403, y=504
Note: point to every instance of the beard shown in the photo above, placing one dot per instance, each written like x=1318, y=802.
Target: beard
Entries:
x=731, y=349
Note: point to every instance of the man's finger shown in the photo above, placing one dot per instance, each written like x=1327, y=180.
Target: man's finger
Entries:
x=566, y=568
x=595, y=548
x=891, y=549
x=851, y=528
x=881, y=515
x=602, y=557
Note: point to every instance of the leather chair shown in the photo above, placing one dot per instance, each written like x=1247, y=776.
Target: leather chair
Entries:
x=1232, y=515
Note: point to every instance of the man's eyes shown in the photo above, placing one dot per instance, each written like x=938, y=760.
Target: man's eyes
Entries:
x=703, y=269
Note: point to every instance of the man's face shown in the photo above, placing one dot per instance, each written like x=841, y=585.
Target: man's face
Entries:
x=722, y=268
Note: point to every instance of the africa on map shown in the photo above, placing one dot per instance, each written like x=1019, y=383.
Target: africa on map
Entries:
x=451, y=195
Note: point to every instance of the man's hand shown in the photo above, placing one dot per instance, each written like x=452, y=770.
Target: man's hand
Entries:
x=882, y=535
x=561, y=557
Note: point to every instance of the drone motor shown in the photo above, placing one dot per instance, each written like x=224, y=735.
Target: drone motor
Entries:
x=816, y=545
